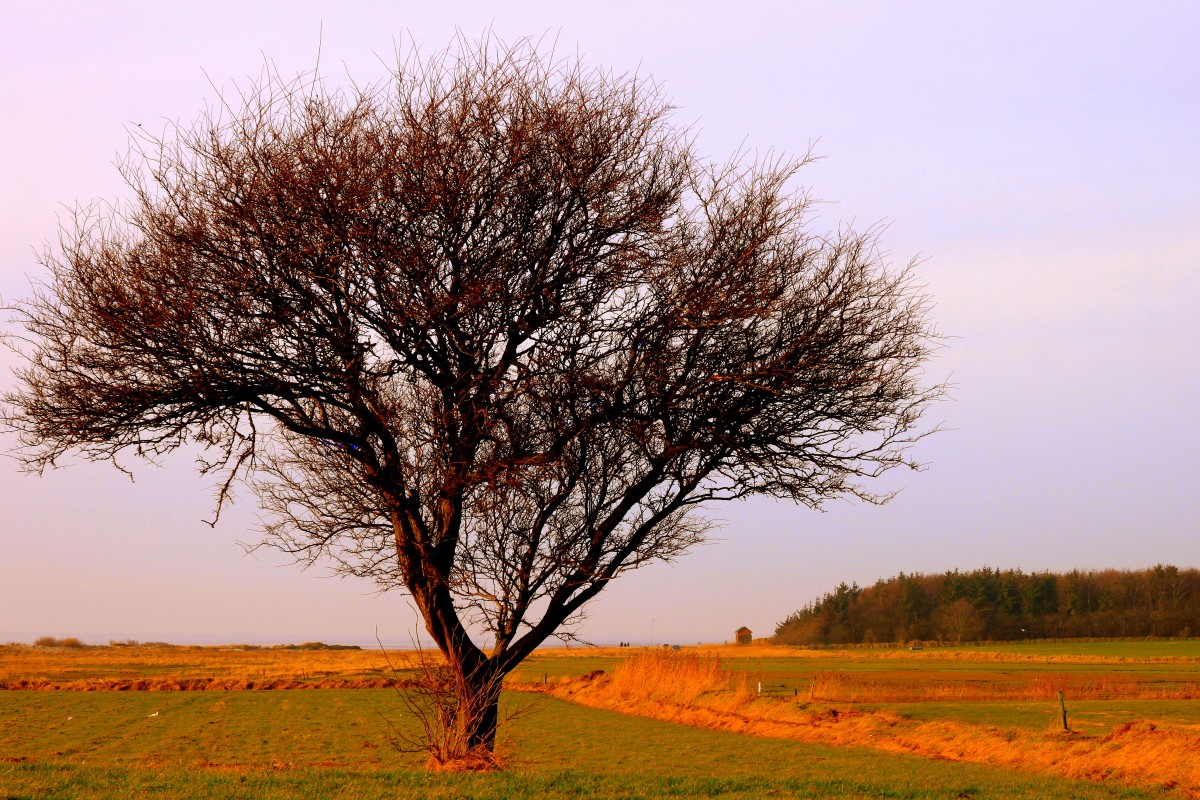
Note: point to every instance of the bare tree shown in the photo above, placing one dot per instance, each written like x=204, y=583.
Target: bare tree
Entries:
x=488, y=333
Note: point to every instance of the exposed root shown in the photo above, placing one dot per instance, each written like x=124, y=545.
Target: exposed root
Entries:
x=478, y=760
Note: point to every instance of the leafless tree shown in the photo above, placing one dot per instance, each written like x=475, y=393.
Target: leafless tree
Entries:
x=489, y=333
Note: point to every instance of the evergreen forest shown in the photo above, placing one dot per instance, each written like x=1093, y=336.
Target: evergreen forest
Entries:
x=1002, y=605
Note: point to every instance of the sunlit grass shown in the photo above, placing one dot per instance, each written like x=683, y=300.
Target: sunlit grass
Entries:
x=58, y=666
x=1092, y=717
x=693, y=690
x=333, y=744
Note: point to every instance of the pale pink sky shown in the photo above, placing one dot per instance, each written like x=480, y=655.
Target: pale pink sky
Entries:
x=1042, y=158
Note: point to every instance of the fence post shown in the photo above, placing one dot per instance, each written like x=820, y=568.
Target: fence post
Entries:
x=1062, y=703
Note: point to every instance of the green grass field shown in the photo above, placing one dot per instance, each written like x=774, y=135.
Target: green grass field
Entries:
x=333, y=743
x=1092, y=717
x=1118, y=648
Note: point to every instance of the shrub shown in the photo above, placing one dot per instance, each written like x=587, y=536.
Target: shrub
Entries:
x=50, y=641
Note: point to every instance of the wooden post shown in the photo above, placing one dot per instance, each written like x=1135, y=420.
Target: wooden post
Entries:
x=1062, y=703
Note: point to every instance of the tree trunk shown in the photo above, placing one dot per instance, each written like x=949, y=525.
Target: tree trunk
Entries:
x=483, y=713
x=466, y=705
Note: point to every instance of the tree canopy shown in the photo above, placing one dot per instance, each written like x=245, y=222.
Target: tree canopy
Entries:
x=994, y=604
x=488, y=332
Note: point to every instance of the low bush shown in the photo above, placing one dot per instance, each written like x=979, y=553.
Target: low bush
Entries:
x=50, y=641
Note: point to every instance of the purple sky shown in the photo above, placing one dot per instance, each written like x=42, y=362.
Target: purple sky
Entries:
x=1042, y=159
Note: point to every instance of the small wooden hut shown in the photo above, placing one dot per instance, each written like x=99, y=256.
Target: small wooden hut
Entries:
x=743, y=635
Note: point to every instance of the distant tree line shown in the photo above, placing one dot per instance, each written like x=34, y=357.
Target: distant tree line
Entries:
x=993, y=604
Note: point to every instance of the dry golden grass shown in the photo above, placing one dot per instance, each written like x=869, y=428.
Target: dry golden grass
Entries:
x=693, y=689
x=150, y=667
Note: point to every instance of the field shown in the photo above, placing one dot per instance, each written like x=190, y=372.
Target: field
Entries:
x=817, y=730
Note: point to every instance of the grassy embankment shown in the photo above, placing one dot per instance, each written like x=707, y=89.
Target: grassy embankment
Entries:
x=852, y=709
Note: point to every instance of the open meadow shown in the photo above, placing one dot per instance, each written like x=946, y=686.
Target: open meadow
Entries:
x=978, y=722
